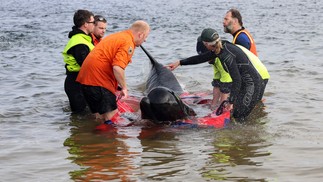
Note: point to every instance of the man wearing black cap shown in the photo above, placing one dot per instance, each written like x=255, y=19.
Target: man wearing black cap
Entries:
x=246, y=81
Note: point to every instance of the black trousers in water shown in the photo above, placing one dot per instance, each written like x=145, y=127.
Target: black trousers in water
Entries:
x=263, y=87
x=74, y=93
x=248, y=97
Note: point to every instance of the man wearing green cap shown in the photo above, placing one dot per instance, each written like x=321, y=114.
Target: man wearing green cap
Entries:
x=246, y=81
x=222, y=81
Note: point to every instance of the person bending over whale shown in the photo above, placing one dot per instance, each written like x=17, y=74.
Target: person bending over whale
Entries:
x=104, y=69
x=221, y=82
x=246, y=81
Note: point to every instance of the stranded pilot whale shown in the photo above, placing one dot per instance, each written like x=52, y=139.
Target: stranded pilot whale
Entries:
x=162, y=103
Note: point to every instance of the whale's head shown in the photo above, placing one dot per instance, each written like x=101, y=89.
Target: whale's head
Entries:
x=163, y=105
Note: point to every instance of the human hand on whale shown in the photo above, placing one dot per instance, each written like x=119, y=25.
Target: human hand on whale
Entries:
x=173, y=65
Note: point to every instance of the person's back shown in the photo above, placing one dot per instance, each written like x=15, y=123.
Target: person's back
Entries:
x=242, y=60
x=247, y=82
x=260, y=67
x=104, y=69
x=98, y=64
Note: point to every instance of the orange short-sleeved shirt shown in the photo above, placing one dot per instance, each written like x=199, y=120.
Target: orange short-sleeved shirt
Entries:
x=114, y=50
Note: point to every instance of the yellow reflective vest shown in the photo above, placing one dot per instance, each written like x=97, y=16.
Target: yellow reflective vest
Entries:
x=220, y=73
x=71, y=63
x=260, y=67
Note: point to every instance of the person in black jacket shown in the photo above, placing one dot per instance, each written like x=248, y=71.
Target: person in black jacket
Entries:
x=246, y=81
x=74, y=53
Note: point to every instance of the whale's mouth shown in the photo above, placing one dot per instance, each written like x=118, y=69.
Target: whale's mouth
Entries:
x=162, y=105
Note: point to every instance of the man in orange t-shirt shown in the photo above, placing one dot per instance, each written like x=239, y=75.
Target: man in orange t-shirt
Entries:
x=104, y=69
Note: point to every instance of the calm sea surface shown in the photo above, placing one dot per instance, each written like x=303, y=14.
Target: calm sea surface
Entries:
x=41, y=141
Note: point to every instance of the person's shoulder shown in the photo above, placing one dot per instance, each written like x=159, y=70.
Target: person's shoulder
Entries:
x=224, y=41
x=123, y=33
x=242, y=34
x=121, y=36
x=242, y=37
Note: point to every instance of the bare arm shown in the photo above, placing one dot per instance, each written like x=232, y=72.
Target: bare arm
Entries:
x=119, y=73
x=173, y=65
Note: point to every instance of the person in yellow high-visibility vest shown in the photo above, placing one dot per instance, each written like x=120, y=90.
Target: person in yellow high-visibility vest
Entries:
x=74, y=53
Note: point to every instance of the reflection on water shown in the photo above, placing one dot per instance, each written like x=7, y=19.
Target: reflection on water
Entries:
x=103, y=156
x=112, y=155
x=144, y=152
x=162, y=153
x=237, y=148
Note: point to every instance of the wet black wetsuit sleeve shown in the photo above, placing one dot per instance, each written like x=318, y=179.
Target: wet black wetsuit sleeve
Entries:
x=202, y=58
x=79, y=52
x=230, y=65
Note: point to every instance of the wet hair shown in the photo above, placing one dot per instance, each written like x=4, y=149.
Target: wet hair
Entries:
x=236, y=14
x=218, y=46
x=82, y=16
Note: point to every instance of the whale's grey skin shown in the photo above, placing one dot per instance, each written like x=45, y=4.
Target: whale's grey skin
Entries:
x=162, y=102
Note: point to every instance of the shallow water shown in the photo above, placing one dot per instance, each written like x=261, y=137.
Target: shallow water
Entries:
x=42, y=141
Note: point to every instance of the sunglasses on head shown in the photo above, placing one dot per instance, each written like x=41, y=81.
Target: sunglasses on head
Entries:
x=100, y=18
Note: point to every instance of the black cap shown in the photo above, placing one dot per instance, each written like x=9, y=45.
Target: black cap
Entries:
x=209, y=35
x=200, y=47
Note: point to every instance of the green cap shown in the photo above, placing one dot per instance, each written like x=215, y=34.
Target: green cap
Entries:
x=209, y=35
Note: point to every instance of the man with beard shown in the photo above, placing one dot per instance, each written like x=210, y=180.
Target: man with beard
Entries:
x=232, y=23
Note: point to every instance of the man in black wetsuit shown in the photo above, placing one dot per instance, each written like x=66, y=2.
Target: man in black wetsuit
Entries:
x=246, y=81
